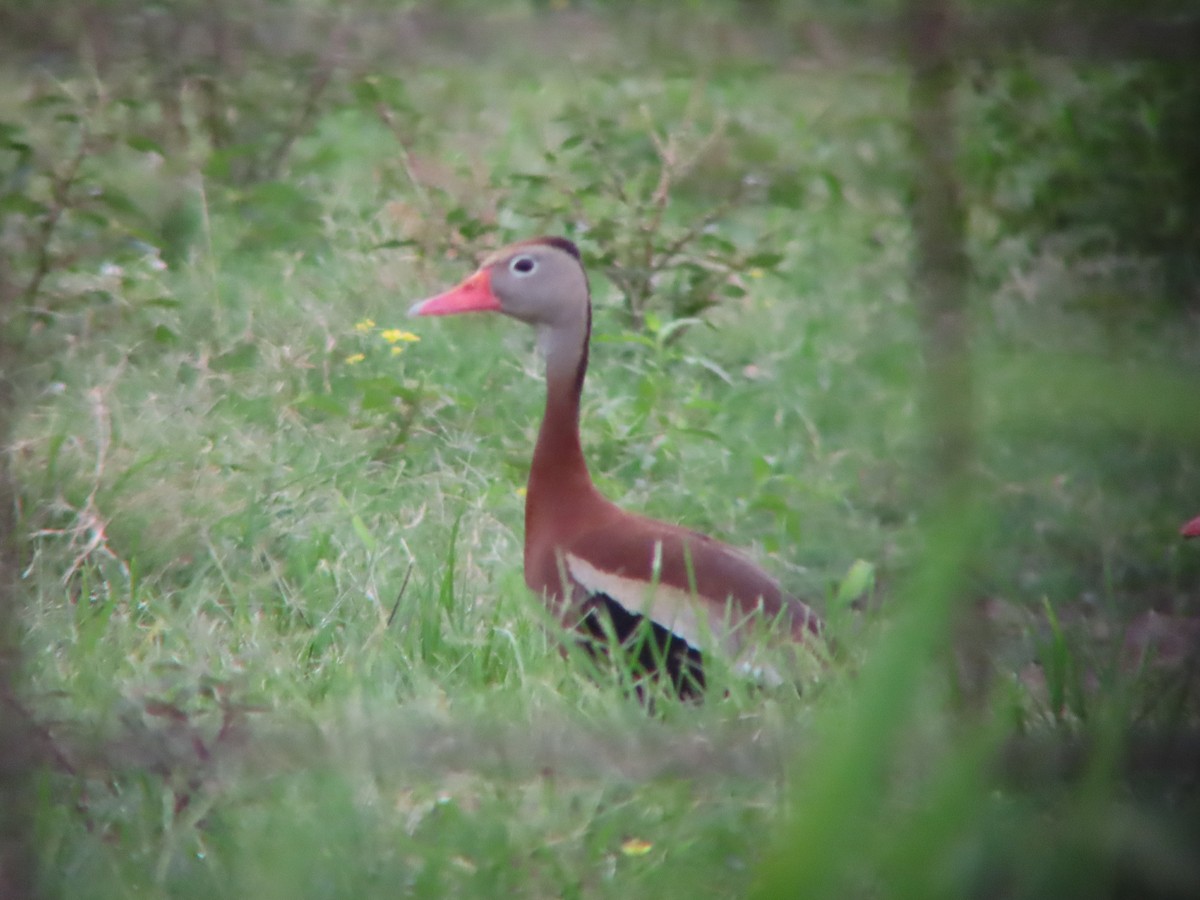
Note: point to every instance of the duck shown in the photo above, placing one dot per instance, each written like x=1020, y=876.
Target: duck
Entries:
x=663, y=593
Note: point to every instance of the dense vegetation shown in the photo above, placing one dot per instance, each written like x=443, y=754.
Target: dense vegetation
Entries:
x=272, y=630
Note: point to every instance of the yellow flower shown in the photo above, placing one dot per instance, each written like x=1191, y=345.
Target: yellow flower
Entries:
x=520, y=492
x=392, y=335
x=355, y=358
x=396, y=351
x=636, y=847
x=756, y=273
x=365, y=325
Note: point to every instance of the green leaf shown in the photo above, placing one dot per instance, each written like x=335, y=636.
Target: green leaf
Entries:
x=766, y=260
x=21, y=204
x=241, y=357
x=366, y=91
x=118, y=202
x=143, y=144
x=664, y=332
x=710, y=366
x=11, y=134
x=380, y=393
x=787, y=191
x=858, y=580
x=392, y=244
x=323, y=403
x=164, y=335
x=46, y=101
x=360, y=527
x=771, y=503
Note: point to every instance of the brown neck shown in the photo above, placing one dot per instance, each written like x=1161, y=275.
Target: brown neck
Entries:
x=560, y=496
x=558, y=463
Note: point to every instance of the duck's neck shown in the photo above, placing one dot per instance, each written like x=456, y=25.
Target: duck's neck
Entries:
x=559, y=470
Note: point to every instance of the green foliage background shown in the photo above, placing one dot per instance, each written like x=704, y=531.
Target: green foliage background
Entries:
x=273, y=631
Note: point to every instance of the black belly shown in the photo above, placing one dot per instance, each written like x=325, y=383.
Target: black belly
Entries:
x=650, y=650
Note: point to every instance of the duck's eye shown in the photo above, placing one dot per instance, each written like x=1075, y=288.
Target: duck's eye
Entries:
x=523, y=265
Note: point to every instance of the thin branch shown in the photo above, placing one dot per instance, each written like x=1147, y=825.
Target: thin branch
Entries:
x=316, y=89
x=389, y=119
x=60, y=190
x=667, y=256
x=399, y=596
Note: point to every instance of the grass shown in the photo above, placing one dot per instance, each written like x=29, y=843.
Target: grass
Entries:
x=275, y=623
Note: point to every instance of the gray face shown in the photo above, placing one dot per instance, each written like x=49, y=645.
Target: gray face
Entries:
x=540, y=285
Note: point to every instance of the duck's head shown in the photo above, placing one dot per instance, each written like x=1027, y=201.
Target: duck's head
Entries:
x=539, y=281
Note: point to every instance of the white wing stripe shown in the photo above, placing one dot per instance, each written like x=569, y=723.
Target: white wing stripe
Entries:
x=672, y=608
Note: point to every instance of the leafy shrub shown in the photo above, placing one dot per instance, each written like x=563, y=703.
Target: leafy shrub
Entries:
x=613, y=178
x=69, y=227
x=1107, y=153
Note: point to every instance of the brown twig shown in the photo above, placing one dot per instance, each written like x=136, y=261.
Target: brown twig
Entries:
x=316, y=88
x=60, y=190
x=406, y=160
x=399, y=596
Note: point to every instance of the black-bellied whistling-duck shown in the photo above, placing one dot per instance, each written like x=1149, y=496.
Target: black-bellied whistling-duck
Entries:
x=1192, y=528
x=583, y=554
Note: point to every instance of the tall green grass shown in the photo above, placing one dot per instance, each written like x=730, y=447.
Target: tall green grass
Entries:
x=275, y=629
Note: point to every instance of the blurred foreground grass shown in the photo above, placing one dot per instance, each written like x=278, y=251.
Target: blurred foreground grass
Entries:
x=274, y=627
